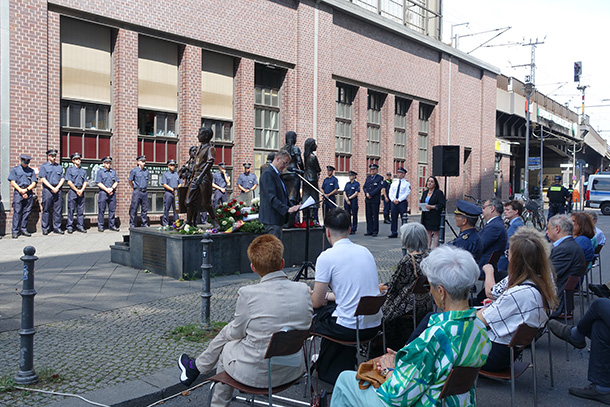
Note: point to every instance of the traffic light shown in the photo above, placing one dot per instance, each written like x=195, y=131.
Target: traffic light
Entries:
x=577, y=71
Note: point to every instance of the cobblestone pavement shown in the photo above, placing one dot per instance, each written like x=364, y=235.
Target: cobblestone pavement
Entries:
x=108, y=348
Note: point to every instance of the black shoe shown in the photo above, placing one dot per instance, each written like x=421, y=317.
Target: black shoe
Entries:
x=367, y=234
x=25, y=233
x=45, y=232
x=393, y=236
x=601, y=290
x=374, y=235
x=58, y=231
x=189, y=371
x=591, y=393
x=352, y=233
x=15, y=235
x=100, y=229
x=115, y=229
x=562, y=331
x=69, y=230
x=387, y=222
x=82, y=230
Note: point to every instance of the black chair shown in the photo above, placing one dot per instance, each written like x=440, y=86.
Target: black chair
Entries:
x=523, y=337
x=282, y=343
x=421, y=286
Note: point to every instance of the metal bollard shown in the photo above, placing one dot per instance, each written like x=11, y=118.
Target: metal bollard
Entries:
x=404, y=218
x=26, y=374
x=441, y=233
x=206, y=294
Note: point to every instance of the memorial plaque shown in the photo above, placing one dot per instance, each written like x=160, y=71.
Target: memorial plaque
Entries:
x=153, y=253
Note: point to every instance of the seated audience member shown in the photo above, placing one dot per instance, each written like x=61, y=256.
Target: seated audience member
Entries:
x=466, y=216
x=512, y=216
x=493, y=235
x=600, y=237
x=595, y=324
x=529, y=297
x=566, y=255
x=583, y=232
x=399, y=301
x=454, y=337
x=351, y=271
x=261, y=309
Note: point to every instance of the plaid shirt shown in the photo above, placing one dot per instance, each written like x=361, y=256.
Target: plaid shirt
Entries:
x=454, y=338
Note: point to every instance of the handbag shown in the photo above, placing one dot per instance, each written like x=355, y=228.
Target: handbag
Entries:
x=368, y=375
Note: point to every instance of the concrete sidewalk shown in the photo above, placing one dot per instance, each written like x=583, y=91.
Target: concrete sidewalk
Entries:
x=104, y=328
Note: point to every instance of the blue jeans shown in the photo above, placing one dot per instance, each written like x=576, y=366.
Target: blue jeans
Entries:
x=596, y=325
x=347, y=393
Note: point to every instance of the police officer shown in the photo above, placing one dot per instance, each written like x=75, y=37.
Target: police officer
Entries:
x=350, y=201
x=23, y=179
x=330, y=187
x=52, y=176
x=466, y=216
x=247, y=183
x=399, y=195
x=220, y=181
x=76, y=177
x=170, y=180
x=372, y=198
x=107, y=181
x=385, y=191
x=557, y=195
x=138, y=179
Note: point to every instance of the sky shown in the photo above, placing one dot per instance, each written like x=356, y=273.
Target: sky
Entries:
x=569, y=30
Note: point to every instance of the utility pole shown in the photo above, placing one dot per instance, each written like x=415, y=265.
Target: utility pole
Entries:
x=529, y=90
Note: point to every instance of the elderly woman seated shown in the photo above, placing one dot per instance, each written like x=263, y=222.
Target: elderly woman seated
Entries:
x=416, y=373
x=398, y=306
x=527, y=295
x=275, y=303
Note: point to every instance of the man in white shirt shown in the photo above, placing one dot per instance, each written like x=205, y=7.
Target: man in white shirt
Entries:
x=351, y=271
x=399, y=193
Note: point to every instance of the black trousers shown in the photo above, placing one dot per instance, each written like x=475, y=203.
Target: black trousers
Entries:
x=334, y=358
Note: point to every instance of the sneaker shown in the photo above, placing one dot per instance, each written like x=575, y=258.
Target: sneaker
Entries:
x=562, y=331
x=188, y=368
x=591, y=393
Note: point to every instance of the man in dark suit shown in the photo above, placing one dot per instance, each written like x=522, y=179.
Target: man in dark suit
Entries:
x=566, y=256
x=274, y=204
x=493, y=235
x=512, y=217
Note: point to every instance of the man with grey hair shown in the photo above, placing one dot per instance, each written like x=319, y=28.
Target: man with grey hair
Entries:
x=493, y=235
x=566, y=255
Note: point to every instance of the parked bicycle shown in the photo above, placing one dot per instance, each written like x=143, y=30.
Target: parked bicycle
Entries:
x=533, y=214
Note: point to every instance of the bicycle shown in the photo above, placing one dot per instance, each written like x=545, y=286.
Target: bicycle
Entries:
x=534, y=215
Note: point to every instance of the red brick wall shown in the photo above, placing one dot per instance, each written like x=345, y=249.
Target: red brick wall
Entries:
x=348, y=50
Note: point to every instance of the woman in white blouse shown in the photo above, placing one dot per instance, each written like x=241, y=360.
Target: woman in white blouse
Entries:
x=529, y=296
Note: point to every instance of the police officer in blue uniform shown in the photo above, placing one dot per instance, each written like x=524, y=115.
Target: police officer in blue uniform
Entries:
x=220, y=181
x=247, y=183
x=170, y=180
x=52, y=176
x=466, y=216
x=76, y=178
x=350, y=201
x=372, y=198
x=107, y=180
x=330, y=187
x=385, y=195
x=23, y=179
x=138, y=179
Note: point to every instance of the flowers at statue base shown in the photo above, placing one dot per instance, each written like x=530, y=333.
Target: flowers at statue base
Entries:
x=229, y=214
x=256, y=204
x=182, y=227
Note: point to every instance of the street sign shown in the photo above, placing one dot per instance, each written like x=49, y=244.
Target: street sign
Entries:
x=534, y=163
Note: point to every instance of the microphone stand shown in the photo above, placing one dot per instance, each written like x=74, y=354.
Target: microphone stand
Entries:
x=306, y=265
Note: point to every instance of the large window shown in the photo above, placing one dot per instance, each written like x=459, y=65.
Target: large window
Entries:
x=400, y=129
x=373, y=124
x=343, y=126
x=422, y=156
x=267, y=83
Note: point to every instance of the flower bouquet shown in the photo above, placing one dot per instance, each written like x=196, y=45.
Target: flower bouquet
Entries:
x=230, y=215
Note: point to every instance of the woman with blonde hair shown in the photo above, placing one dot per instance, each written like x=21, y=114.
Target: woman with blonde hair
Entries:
x=527, y=295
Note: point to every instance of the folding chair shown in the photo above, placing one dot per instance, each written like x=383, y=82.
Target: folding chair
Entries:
x=282, y=343
x=524, y=336
x=460, y=380
x=597, y=262
x=368, y=305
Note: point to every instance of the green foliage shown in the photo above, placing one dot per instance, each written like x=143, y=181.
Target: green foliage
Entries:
x=195, y=333
x=253, y=226
x=7, y=383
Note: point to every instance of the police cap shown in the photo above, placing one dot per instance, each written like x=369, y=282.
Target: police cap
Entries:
x=107, y=159
x=52, y=151
x=141, y=158
x=75, y=156
x=373, y=166
x=330, y=168
x=467, y=209
x=25, y=157
x=171, y=162
x=354, y=173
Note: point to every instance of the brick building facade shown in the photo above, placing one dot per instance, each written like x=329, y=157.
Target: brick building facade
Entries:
x=126, y=78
